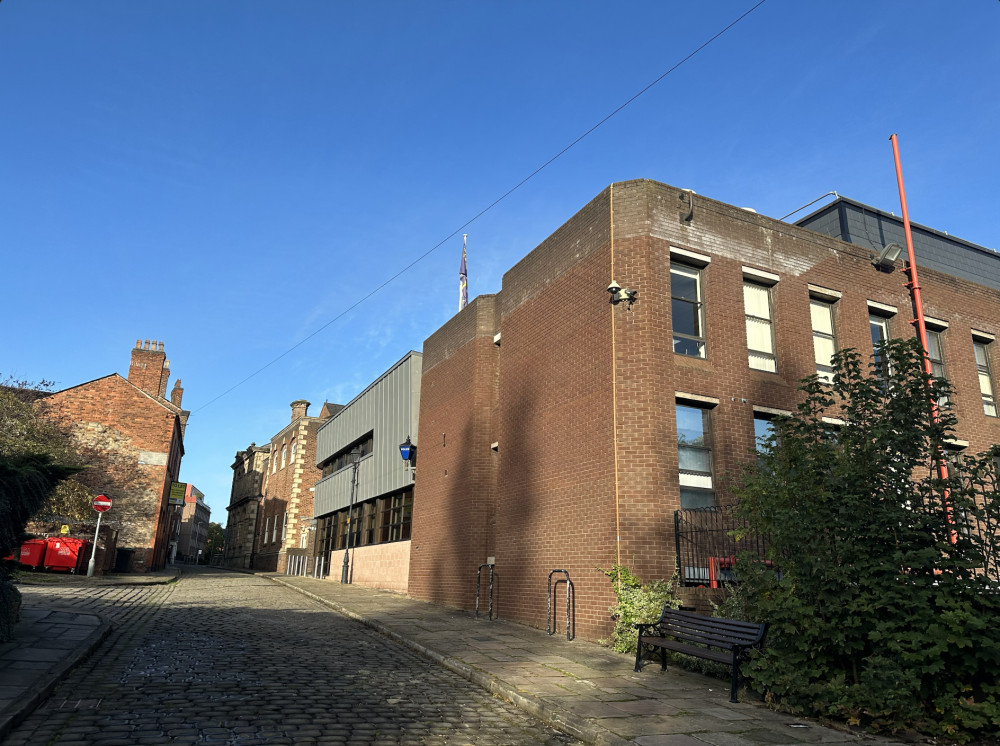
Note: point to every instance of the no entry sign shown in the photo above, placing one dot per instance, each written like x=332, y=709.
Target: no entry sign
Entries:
x=101, y=503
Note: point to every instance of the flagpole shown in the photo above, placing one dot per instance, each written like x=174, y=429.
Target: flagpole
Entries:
x=463, y=279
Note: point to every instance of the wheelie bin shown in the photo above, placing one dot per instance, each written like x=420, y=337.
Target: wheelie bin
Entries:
x=65, y=553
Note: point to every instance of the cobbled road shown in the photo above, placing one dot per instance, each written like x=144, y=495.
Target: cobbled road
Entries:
x=221, y=657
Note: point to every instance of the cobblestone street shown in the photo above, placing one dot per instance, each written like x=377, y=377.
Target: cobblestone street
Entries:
x=219, y=657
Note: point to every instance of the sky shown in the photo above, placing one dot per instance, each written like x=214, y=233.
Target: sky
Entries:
x=251, y=181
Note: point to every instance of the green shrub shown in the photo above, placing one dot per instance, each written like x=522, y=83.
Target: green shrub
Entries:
x=637, y=603
x=881, y=606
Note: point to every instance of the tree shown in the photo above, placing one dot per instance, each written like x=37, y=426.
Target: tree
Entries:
x=216, y=541
x=878, y=587
x=105, y=460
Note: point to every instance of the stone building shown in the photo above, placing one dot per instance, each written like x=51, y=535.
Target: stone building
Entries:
x=560, y=431
x=371, y=428
x=142, y=430
x=247, y=492
x=286, y=508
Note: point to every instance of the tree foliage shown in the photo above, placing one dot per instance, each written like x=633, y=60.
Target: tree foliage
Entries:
x=216, y=540
x=105, y=461
x=879, y=590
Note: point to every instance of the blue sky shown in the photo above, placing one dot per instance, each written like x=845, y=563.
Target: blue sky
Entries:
x=231, y=176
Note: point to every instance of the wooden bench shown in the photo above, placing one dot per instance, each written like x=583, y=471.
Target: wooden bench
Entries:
x=722, y=640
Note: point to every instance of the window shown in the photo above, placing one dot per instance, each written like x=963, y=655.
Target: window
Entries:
x=760, y=329
x=274, y=463
x=879, y=326
x=985, y=376
x=694, y=456
x=342, y=458
x=284, y=527
x=763, y=430
x=935, y=353
x=291, y=455
x=687, y=311
x=274, y=530
x=824, y=337
x=267, y=527
x=284, y=454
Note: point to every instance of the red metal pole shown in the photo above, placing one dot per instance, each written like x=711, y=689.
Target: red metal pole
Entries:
x=921, y=322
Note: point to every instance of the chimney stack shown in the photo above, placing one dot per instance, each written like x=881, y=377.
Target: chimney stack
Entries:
x=146, y=370
x=299, y=409
x=176, y=394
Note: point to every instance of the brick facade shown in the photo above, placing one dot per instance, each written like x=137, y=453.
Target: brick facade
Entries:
x=131, y=418
x=566, y=480
x=286, y=509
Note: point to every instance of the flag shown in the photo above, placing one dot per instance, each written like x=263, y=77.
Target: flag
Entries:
x=463, y=279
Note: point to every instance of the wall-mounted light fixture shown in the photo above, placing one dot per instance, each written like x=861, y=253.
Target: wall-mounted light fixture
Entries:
x=885, y=260
x=408, y=452
x=622, y=295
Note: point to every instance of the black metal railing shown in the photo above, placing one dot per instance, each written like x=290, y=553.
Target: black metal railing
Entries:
x=707, y=547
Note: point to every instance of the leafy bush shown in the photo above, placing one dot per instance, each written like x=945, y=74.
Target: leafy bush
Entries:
x=881, y=604
x=638, y=603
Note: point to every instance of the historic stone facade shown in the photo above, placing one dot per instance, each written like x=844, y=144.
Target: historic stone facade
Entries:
x=285, y=514
x=249, y=468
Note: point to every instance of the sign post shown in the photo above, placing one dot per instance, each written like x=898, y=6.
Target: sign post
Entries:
x=100, y=503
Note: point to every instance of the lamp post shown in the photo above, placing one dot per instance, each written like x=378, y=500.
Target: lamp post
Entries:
x=345, y=571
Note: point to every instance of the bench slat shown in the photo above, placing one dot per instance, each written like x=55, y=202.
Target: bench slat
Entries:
x=712, y=638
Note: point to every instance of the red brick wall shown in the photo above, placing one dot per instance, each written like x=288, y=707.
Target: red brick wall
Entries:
x=452, y=529
x=112, y=412
x=287, y=489
x=555, y=477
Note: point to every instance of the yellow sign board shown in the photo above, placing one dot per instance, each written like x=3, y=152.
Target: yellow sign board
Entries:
x=64, y=529
x=177, y=490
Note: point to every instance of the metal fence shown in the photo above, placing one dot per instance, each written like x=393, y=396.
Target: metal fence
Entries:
x=706, y=547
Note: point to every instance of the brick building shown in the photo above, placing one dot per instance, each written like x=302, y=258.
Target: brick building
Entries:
x=247, y=492
x=193, y=534
x=559, y=431
x=373, y=424
x=286, y=507
x=134, y=421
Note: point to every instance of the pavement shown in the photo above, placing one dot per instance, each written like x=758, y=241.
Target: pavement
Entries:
x=49, y=642
x=580, y=688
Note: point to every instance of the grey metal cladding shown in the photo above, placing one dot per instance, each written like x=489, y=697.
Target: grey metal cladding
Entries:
x=871, y=228
x=388, y=408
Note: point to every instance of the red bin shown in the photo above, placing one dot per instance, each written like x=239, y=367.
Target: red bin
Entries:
x=65, y=553
x=33, y=553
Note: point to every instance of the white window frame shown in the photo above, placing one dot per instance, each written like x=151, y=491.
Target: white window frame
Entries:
x=697, y=482
x=935, y=332
x=985, y=373
x=267, y=528
x=284, y=527
x=764, y=360
x=698, y=302
x=828, y=303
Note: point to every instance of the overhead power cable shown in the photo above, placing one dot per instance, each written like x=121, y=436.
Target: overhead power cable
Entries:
x=486, y=209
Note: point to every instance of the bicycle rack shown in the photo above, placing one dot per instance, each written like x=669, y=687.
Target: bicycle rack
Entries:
x=550, y=614
x=479, y=575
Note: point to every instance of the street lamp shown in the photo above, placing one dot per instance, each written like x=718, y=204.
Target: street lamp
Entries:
x=345, y=572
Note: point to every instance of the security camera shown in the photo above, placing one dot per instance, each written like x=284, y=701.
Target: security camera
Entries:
x=614, y=287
